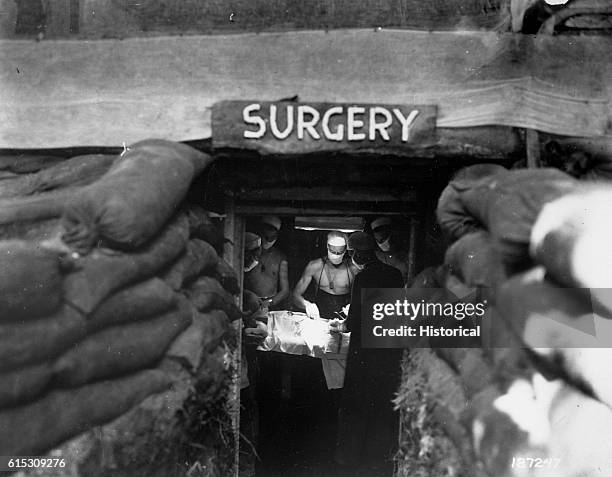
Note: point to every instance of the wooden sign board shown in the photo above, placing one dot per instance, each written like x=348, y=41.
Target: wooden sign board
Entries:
x=299, y=128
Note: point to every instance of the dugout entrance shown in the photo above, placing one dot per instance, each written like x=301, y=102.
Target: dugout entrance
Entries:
x=297, y=427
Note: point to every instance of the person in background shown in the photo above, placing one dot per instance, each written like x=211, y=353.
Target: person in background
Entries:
x=252, y=251
x=333, y=277
x=389, y=248
x=269, y=278
x=368, y=425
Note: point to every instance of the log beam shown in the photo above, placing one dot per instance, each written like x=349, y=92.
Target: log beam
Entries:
x=532, y=144
x=326, y=194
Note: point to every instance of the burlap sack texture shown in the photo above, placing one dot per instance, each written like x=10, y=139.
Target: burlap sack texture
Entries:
x=541, y=356
x=92, y=325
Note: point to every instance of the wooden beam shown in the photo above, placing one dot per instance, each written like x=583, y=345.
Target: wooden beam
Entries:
x=599, y=148
x=412, y=248
x=233, y=253
x=327, y=194
x=493, y=143
x=265, y=209
x=532, y=144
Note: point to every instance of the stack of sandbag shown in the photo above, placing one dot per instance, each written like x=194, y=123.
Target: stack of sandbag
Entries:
x=203, y=225
x=474, y=260
x=563, y=328
x=34, y=189
x=87, y=323
x=505, y=204
x=540, y=240
x=129, y=204
x=55, y=366
x=73, y=172
x=495, y=398
x=563, y=309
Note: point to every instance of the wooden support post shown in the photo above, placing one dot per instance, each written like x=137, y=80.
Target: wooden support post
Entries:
x=412, y=248
x=532, y=144
x=251, y=209
x=233, y=253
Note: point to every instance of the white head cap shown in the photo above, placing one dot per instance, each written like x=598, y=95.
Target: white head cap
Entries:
x=380, y=222
x=336, y=241
x=272, y=220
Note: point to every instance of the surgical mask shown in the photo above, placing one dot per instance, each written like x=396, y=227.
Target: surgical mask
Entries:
x=360, y=267
x=268, y=245
x=385, y=245
x=334, y=258
x=253, y=264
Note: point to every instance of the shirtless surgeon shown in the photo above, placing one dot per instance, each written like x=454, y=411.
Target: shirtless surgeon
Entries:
x=332, y=277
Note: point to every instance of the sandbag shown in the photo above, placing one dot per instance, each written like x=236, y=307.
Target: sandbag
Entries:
x=546, y=316
x=197, y=259
x=511, y=363
x=23, y=385
x=472, y=366
x=38, y=427
x=207, y=294
x=121, y=349
x=7, y=175
x=451, y=213
x=127, y=206
x=227, y=277
x=431, y=277
x=79, y=170
x=143, y=300
x=571, y=238
x=509, y=205
x=37, y=207
x=587, y=366
x=202, y=227
x=34, y=341
x=30, y=280
x=37, y=230
x=475, y=261
x=506, y=205
x=203, y=336
x=561, y=327
x=497, y=437
x=25, y=163
x=104, y=271
x=580, y=434
x=601, y=172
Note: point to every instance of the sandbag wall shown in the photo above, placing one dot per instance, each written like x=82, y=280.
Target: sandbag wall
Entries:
x=535, y=398
x=111, y=290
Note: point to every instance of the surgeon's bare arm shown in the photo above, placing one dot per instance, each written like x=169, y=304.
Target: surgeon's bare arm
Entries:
x=302, y=285
x=283, y=283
